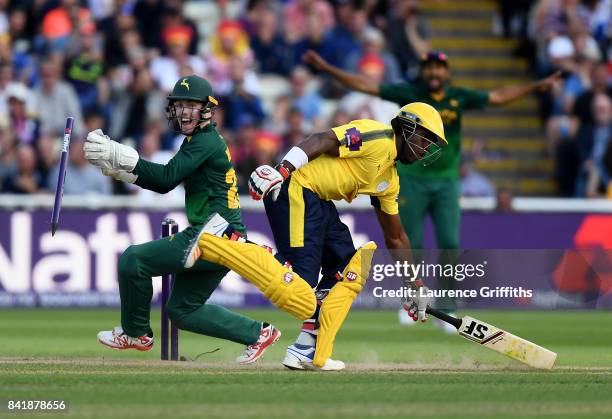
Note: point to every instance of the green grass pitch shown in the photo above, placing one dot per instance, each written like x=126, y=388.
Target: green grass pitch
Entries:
x=392, y=371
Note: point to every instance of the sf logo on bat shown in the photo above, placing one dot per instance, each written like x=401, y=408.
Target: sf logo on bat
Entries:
x=475, y=330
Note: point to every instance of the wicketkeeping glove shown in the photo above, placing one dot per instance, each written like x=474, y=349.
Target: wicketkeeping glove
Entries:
x=264, y=181
x=105, y=153
x=121, y=175
x=416, y=306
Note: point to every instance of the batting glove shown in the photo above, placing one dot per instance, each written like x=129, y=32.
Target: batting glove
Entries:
x=105, y=153
x=416, y=306
x=264, y=181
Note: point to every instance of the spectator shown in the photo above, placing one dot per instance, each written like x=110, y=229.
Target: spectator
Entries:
x=230, y=41
x=135, y=98
x=272, y=52
x=120, y=35
x=150, y=149
x=551, y=19
x=24, y=63
x=359, y=105
x=6, y=84
x=56, y=101
x=85, y=73
x=148, y=15
x=166, y=70
x=47, y=157
x=173, y=22
x=407, y=36
x=474, y=183
x=305, y=98
x=25, y=127
x=296, y=14
x=374, y=44
x=317, y=38
x=592, y=141
x=81, y=177
x=8, y=155
x=345, y=36
x=61, y=23
x=599, y=84
x=267, y=147
x=296, y=129
x=240, y=105
x=25, y=179
x=504, y=201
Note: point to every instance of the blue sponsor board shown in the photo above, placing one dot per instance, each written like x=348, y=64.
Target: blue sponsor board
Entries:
x=78, y=267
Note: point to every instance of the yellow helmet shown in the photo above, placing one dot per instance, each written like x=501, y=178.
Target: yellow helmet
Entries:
x=426, y=147
x=425, y=116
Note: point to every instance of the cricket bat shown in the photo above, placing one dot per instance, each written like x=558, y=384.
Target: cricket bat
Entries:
x=499, y=340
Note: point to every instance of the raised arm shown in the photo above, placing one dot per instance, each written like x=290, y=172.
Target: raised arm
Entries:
x=507, y=94
x=350, y=80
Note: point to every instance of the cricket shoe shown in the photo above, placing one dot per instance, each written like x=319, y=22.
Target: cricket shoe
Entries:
x=299, y=357
x=267, y=337
x=117, y=339
x=215, y=225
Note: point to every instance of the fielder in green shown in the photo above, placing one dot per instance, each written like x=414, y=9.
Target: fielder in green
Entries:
x=203, y=164
x=433, y=189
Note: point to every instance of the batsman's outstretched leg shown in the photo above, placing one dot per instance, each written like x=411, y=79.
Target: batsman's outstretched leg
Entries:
x=284, y=288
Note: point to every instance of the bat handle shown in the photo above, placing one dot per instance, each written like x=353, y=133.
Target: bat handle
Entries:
x=444, y=317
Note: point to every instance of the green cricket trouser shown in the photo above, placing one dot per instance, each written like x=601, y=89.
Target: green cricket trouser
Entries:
x=440, y=199
x=186, y=306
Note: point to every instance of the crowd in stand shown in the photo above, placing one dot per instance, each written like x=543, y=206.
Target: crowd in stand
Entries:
x=111, y=63
x=572, y=36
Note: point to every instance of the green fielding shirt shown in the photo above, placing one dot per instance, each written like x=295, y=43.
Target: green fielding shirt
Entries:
x=451, y=106
x=204, y=165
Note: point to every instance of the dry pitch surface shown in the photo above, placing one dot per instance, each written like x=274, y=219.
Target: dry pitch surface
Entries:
x=393, y=371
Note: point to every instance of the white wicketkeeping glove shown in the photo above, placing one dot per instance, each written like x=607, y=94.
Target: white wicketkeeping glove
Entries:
x=416, y=306
x=105, y=153
x=264, y=181
x=121, y=175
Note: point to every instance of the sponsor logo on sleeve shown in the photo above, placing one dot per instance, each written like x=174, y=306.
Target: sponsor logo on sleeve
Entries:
x=353, y=139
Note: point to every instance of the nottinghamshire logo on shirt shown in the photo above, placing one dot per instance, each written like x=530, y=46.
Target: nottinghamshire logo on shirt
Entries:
x=353, y=139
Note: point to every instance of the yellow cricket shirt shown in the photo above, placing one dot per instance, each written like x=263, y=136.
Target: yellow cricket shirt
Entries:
x=366, y=165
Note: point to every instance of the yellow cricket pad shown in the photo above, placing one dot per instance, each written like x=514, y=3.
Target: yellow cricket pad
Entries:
x=338, y=302
x=284, y=288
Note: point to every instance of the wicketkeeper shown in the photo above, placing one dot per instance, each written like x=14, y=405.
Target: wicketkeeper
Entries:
x=203, y=164
x=342, y=163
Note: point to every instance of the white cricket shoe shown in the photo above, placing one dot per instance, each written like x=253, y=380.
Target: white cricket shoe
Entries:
x=268, y=336
x=215, y=225
x=117, y=339
x=299, y=357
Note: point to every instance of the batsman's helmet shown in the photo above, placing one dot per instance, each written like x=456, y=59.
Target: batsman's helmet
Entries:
x=431, y=137
x=193, y=88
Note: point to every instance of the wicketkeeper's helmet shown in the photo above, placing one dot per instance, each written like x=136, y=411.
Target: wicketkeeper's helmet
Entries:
x=190, y=88
x=422, y=115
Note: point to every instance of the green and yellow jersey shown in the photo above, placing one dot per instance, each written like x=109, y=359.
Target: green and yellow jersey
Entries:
x=450, y=104
x=365, y=166
x=204, y=165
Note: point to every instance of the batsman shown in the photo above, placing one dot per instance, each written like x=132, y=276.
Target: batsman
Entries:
x=339, y=164
x=203, y=164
